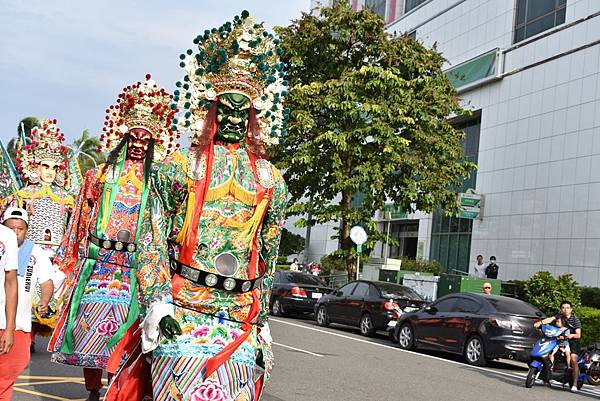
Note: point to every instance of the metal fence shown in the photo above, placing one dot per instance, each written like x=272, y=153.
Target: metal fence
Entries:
x=336, y=280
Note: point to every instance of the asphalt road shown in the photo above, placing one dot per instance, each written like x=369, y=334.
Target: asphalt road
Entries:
x=338, y=364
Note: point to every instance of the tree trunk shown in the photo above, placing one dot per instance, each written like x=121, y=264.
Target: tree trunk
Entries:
x=344, y=239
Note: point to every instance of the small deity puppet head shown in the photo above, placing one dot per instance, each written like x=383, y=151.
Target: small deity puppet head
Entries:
x=45, y=159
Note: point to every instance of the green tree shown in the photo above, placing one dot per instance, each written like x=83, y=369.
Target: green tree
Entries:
x=369, y=116
x=546, y=292
x=27, y=124
x=87, y=148
x=290, y=243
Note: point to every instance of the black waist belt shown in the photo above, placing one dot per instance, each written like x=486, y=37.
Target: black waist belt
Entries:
x=113, y=245
x=213, y=280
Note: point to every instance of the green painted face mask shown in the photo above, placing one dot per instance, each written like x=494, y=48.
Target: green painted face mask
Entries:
x=233, y=110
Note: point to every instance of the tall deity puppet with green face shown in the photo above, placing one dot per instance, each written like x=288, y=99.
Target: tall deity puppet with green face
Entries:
x=223, y=205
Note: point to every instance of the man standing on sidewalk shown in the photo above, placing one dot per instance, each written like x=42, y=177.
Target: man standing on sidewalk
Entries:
x=33, y=267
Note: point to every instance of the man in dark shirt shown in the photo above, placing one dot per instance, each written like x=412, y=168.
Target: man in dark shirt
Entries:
x=491, y=271
x=574, y=324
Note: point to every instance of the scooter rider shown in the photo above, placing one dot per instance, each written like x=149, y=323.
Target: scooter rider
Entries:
x=574, y=324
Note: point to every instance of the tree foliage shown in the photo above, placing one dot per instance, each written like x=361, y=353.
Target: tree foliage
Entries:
x=87, y=148
x=27, y=125
x=546, y=292
x=290, y=243
x=369, y=114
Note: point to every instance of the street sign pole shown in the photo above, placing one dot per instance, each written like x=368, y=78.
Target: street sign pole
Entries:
x=358, y=235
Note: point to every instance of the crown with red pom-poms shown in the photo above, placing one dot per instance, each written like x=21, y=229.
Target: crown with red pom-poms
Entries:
x=141, y=105
x=46, y=145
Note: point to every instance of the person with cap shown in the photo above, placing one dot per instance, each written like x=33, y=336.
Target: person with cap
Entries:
x=33, y=267
x=487, y=288
x=491, y=271
x=100, y=308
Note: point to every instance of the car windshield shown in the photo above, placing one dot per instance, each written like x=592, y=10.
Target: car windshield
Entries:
x=300, y=278
x=390, y=290
x=513, y=306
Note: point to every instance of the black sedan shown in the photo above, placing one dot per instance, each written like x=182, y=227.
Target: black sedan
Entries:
x=481, y=327
x=370, y=305
x=296, y=292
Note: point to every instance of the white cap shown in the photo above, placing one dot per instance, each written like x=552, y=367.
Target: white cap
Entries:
x=16, y=213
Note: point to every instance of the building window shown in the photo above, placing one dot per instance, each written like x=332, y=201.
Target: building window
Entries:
x=535, y=16
x=451, y=236
x=377, y=6
x=406, y=233
x=412, y=4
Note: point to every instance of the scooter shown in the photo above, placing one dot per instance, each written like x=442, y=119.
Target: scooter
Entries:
x=540, y=366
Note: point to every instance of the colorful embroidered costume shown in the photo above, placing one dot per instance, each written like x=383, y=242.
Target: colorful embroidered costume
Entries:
x=223, y=205
x=101, y=305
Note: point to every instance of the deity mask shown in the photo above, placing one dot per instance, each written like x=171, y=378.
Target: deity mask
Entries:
x=232, y=117
x=47, y=171
x=138, y=143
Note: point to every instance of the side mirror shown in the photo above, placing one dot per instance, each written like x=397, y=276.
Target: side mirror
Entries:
x=432, y=310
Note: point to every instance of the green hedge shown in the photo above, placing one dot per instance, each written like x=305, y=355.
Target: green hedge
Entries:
x=590, y=322
x=421, y=265
x=590, y=296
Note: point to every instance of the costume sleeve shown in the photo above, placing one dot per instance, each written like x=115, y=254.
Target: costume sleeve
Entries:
x=270, y=236
x=77, y=230
x=154, y=277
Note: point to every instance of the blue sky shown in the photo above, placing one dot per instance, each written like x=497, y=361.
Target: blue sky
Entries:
x=69, y=59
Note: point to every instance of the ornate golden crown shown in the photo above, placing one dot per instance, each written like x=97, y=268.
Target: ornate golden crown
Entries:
x=141, y=105
x=239, y=57
x=46, y=144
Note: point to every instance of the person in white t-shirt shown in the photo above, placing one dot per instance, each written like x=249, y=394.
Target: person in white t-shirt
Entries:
x=479, y=267
x=8, y=288
x=33, y=267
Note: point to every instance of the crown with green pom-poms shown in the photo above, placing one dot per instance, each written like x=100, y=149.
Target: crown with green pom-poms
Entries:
x=239, y=57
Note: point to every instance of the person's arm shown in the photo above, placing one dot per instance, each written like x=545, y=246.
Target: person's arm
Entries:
x=11, y=294
x=47, y=290
x=9, y=265
x=547, y=320
x=271, y=235
x=152, y=264
x=44, y=272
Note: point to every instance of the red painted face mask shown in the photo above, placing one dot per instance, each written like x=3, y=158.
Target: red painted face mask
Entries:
x=138, y=143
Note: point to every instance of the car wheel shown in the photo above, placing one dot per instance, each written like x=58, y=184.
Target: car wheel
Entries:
x=277, y=308
x=474, y=352
x=530, y=377
x=366, y=325
x=322, y=316
x=594, y=379
x=406, y=337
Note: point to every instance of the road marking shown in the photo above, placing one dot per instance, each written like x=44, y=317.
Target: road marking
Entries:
x=489, y=370
x=299, y=350
x=25, y=384
x=50, y=377
x=54, y=397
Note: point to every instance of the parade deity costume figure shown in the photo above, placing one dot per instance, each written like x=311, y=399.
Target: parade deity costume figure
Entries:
x=44, y=166
x=224, y=206
x=101, y=304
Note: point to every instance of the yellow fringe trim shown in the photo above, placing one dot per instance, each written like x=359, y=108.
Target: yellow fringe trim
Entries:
x=189, y=212
x=46, y=192
x=249, y=228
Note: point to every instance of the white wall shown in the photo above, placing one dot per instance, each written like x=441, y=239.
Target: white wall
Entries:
x=539, y=152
